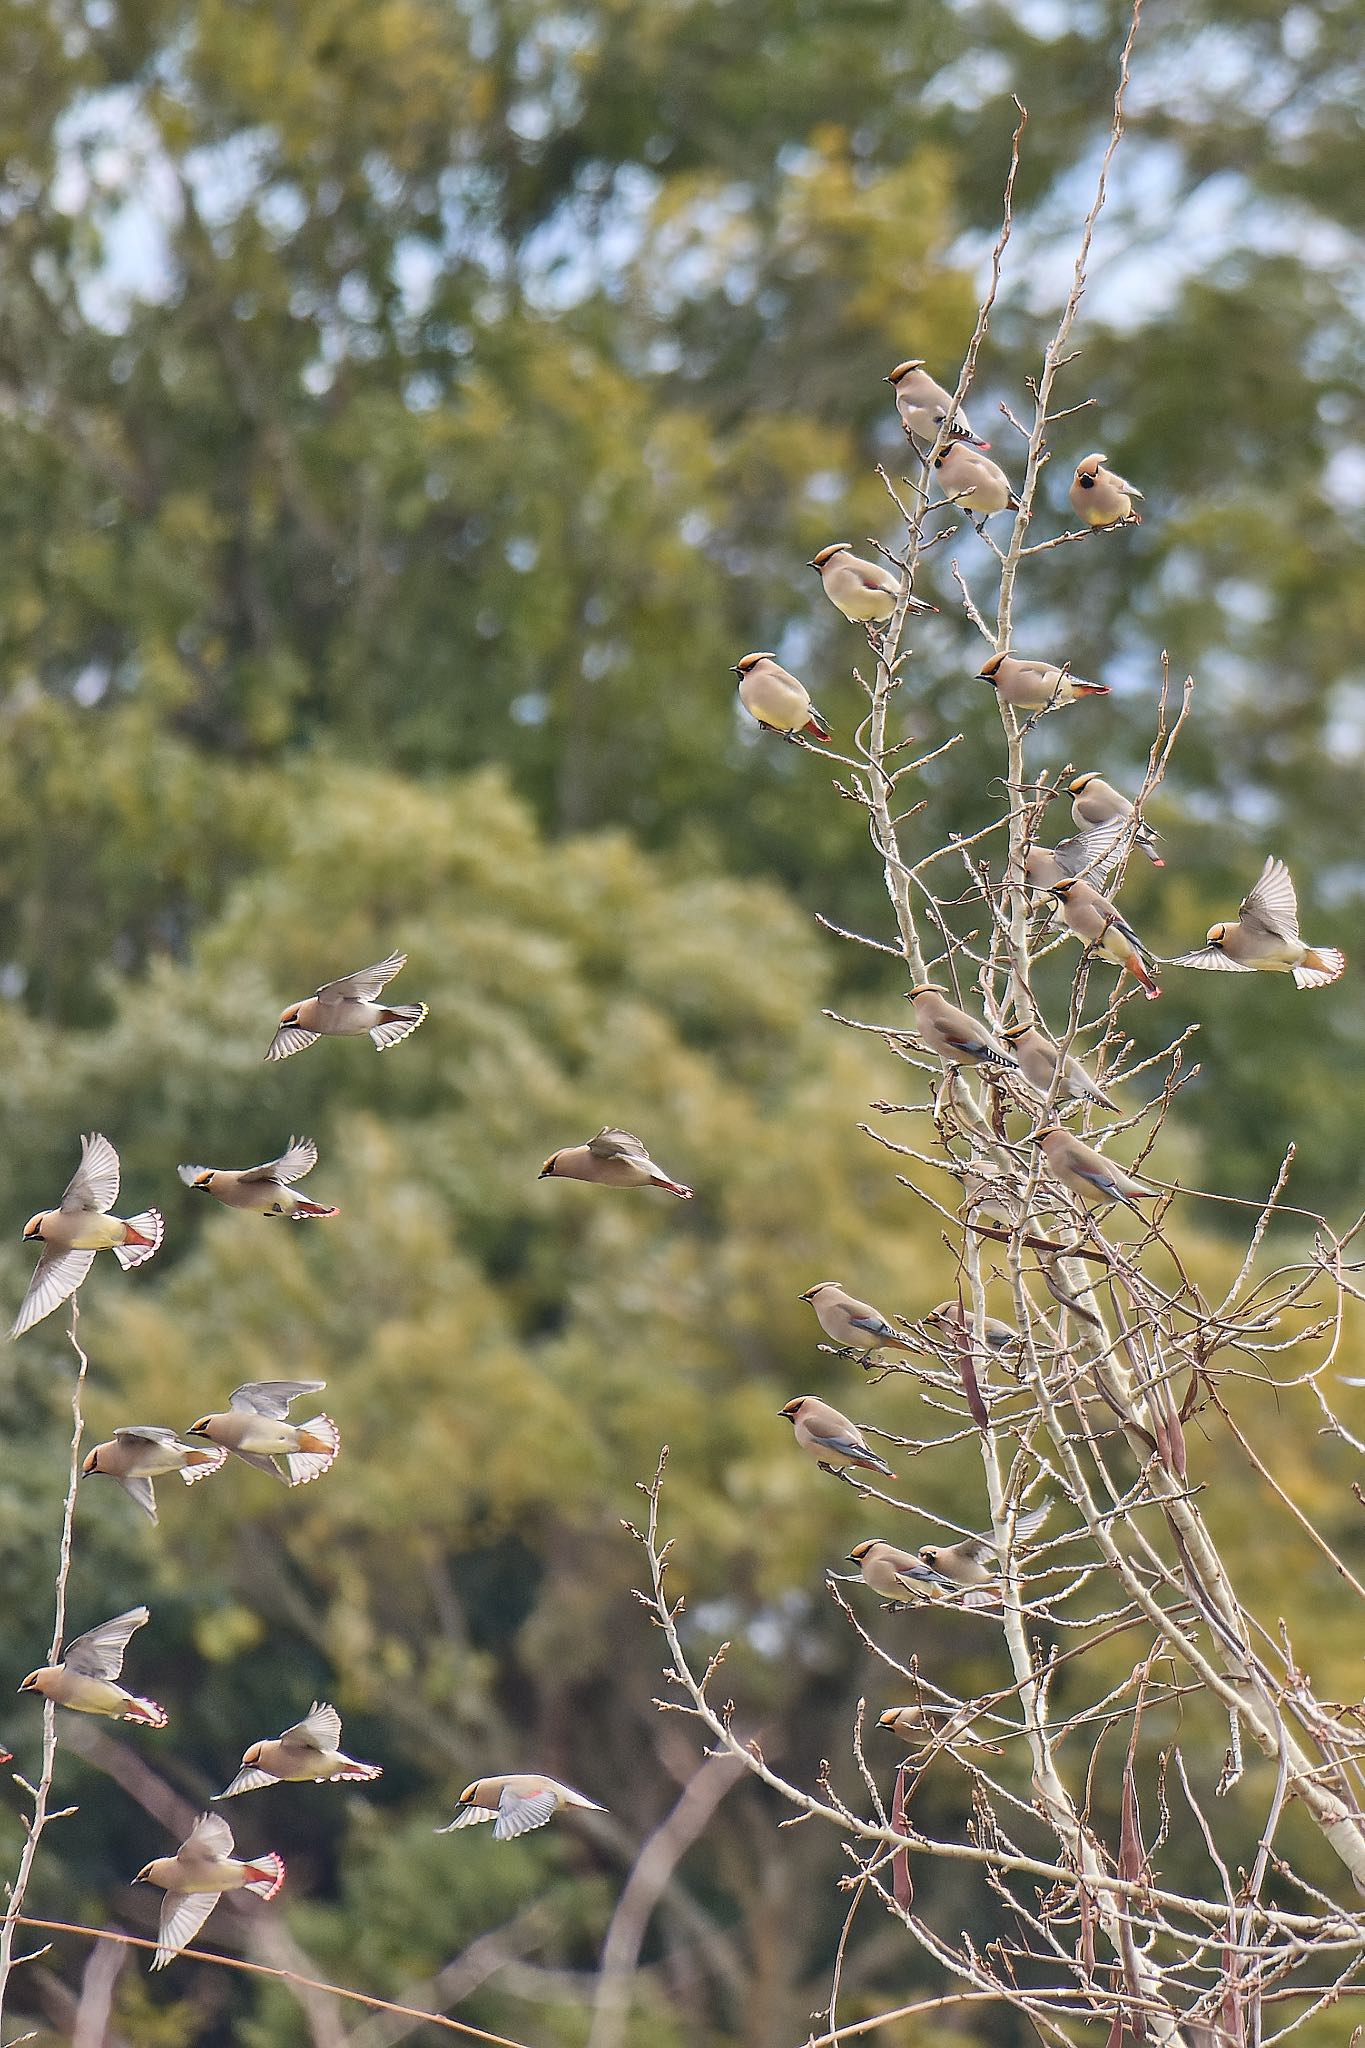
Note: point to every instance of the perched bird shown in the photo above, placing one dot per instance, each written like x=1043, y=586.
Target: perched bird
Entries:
x=773, y=696
x=889, y=1571
x=195, y=1878
x=255, y=1430
x=308, y=1752
x=345, y=1009
x=1087, y=1172
x=82, y=1226
x=865, y=592
x=1101, y=497
x=999, y=1336
x=614, y=1159
x=86, y=1677
x=1266, y=938
x=1095, y=802
x=907, y=1722
x=830, y=1438
x=1093, y=920
x=515, y=1804
x=970, y=479
x=142, y=1452
x=854, y=1324
x=1038, y=1055
x=1090, y=854
x=924, y=406
x=970, y=1562
x=1034, y=685
x=266, y=1189
x=944, y=1029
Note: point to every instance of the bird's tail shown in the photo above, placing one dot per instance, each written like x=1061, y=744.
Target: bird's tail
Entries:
x=1089, y=689
x=674, y=1187
x=319, y=1442
x=874, y=1463
x=303, y=1207
x=143, y=1241
x=361, y=1772
x=199, y=1463
x=1142, y=977
x=815, y=727
x=145, y=1712
x=1317, y=968
x=265, y=1875
x=399, y=1021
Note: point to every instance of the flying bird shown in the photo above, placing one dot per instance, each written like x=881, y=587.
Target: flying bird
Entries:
x=1094, y=802
x=345, y=1009
x=944, y=1029
x=1265, y=937
x=1088, y=1173
x=308, y=1753
x=1035, y=685
x=614, y=1159
x=854, y=1324
x=266, y=1189
x=195, y=1878
x=72, y=1234
x=255, y=1429
x=515, y=1804
x=1095, y=921
x=86, y=1676
x=971, y=1562
x=865, y=592
x=1038, y=1057
x=1101, y=497
x=1091, y=854
x=925, y=406
x=142, y=1452
x=776, y=699
x=830, y=1438
x=972, y=481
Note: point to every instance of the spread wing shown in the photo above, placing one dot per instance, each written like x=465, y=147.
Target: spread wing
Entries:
x=977, y=1549
x=249, y=1779
x=144, y=1493
x=289, y=1039
x=519, y=1812
x=468, y=1817
x=1272, y=906
x=145, y=1433
x=1212, y=957
x=56, y=1277
x=1029, y=1523
x=364, y=985
x=182, y=1916
x=610, y=1144
x=299, y=1157
x=94, y=1184
x=99, y=1652
x=320, y=1729
x=272, y=1397
x=1092, y=853
x=210, y=1836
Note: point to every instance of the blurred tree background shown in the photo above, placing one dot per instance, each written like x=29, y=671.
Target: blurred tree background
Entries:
x=408, y=412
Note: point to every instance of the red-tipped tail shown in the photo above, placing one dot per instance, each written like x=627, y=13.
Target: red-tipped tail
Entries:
x=1142, y=977
x=1319, y=967
x=361, y=1773
x=265, y=1875
x=1091, y=689
x=142, y=1240
x=674, y=1187
x=303, y=1207
x=319, y=1442
x=815, y=727
x=199, y=1464
x=145, y=1712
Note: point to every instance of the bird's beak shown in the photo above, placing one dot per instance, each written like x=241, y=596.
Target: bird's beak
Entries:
x=89, y=1466
x=807, y=1295
x=142, y=1877
x=32, y=1231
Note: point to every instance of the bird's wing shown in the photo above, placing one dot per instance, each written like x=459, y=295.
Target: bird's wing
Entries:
x=99, y=1652
x=976, y=1549
x=611, y=1144
x=289, y=1039
x=1272, y=905
x=1091, y=853
x=364, y=985
x=849, y=1447
x=210, y=1836
x=182, y=1916
x=320, y=1729
x=144, y=1493
x=876, y=1326
x=56, y=1277
x=299, y=1157
x=519, y=1812
x=468, y=1817
x=1212, y=957
x=271, y=1398
x=145, y=1433
x=249, y=1779
x=1031, y=1521
x=94, y=1184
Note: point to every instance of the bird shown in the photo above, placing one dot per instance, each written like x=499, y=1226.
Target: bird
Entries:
x=1094, y=802
x=266, y=1189
x=1266, y=939
x=776, y=699
x=950, y=1317
x=914, y=1724
x=969, y=479
x=80, y=1227
x=1093, y=920
x=255, y=1429
x=907, y=1722
x=345, y=1009
x=969, y=1562
x=944, y=1029
x=1101, y=497
x=195, y=1878
x=1038, y=1056
x=1088, y=1173
x=889, y=1571
x=925, y=406
x=830, y=1438
x=616, y=1160
x=1092, y=854
x=142, y=1452
x=515, y=1804
x=1035, y=685
x=309, y=1752
x=854, y=1324
x=863, y=591
x=85, y=1678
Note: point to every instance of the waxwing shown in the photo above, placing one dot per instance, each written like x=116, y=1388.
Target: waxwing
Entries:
x=1266, y=939
x=72, y=1234
x=614, y=1159
x=347, y=1009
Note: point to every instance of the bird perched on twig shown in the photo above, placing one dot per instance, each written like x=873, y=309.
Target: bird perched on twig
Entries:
x=515, y=1804
x=1102, y=927
x=195, y=1878
x=1038, y=1057
x=255, y=1429
x=265, y=1189
x=971, y=481
x=925, y=406
x=1265, y=938
x=85, y=1678
x=614, y=1159
x=347, y=1009
x=944, y=1029
x=892, y=1573
x=308, y=1753
x=1035, y=685
x=1095, y=802
x=865, y=592
x=854, y=1324
x=1101, y=497
x=1088, y=1173
x=81, y=1226
x=142, y=1452
x=777, y=699
x=971, y=1561
x=835, y=1443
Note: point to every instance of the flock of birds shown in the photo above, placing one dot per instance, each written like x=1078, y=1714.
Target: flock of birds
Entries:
x=255, y=1426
